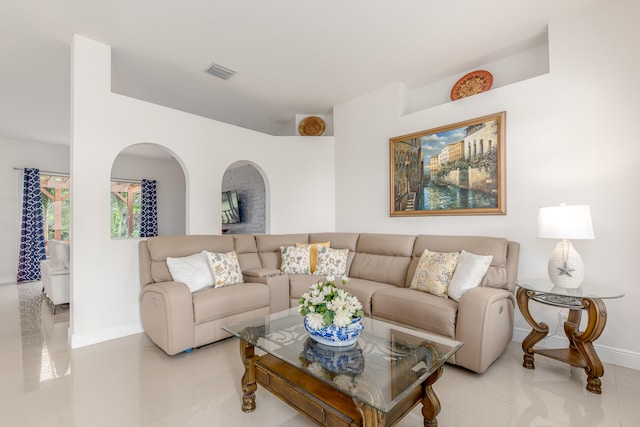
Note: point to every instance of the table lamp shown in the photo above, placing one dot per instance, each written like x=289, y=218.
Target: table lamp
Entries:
x=564, y=223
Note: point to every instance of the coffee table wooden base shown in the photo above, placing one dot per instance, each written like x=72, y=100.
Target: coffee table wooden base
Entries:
x=322, y=403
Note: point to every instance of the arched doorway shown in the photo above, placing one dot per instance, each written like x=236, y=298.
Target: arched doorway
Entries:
x=246, y=181
x=153, y=162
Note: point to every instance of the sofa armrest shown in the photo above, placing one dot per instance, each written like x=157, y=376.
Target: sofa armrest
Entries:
x=484, y=325
x=166, y=312
x=278, y=289
x=261, y=272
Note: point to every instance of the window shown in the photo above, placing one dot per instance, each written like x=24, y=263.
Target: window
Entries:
x=126, y=201
x=55, y=206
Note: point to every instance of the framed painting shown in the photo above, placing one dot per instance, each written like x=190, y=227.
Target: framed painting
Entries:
x=457, y=169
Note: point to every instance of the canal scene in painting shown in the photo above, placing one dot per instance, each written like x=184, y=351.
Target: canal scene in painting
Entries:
x=449, y=170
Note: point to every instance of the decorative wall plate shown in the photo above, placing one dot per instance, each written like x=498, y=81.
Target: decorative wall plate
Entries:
x=471, y=84
x=311, y=126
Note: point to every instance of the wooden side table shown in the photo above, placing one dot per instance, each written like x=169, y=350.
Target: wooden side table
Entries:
x=580, y=351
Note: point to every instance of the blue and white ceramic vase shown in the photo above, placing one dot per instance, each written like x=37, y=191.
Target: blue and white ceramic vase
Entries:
x=334, y=336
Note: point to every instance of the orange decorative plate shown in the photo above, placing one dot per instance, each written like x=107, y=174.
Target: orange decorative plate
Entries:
x=472, y=83
x=311, y=126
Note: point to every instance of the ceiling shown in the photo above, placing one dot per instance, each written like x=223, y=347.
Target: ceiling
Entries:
x=291, y=56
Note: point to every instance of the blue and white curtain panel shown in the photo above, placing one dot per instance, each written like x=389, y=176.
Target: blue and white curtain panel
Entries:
x=149, y=209
x=32, y=249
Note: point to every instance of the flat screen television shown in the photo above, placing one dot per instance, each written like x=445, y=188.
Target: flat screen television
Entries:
x=230, y=207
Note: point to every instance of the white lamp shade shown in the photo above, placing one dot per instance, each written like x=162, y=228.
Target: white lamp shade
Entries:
x=565, y=222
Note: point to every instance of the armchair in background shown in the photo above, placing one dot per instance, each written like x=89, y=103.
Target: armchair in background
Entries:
x=55, y=273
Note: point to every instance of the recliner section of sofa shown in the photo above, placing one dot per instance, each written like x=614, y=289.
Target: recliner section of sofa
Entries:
x=380, y=268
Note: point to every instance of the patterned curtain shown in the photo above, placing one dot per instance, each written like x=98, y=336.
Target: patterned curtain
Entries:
x=32, y=249
x=149, y=209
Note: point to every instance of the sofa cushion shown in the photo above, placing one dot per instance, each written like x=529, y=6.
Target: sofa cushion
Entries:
x=225, y=268
x=363, y=290
x=421, y=310
x=295, y=259
x=192, y=270
x=215, y=303
x=470, y=270
x=300, y=283
x=332, y=262
x=434, y=272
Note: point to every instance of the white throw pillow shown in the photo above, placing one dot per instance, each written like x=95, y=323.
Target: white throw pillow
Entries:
x=331, y=262
x=192, y=270
x=296, y=260
x=469, y=272
x=225, y=268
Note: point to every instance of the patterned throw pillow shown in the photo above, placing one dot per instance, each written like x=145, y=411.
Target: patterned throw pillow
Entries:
x=225, y=268
x=313, y=253
x=434, y=272
x=295, y=260
x=331, y=262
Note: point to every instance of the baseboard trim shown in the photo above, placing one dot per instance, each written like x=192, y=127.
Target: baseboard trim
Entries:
x=612, y=355
x=107, y=334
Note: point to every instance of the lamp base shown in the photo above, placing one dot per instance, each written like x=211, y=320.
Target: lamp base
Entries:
x=565, y=267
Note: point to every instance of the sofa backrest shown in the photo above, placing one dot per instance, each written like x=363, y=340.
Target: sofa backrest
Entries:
x=338, y=241
x=247, y=250
x=386, y=258
x=159, y=248
x=269, y=247
x=382, y=258
x=498, y=275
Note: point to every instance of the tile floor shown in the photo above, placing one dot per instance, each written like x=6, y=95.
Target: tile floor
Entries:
x=130, y=382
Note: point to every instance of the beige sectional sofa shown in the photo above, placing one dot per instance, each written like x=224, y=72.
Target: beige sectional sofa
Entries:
x=380, y=267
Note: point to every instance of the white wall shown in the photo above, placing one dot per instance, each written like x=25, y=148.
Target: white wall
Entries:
x=104, y=280
x=571, y=137
x=21, y=154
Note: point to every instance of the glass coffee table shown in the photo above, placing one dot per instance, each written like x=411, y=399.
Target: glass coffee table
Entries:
x=375, y=383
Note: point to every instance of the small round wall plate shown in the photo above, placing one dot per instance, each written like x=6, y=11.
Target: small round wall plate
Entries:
x=471, y=84
x=311, y=126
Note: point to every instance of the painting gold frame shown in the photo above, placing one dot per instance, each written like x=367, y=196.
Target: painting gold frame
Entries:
x=458, y=169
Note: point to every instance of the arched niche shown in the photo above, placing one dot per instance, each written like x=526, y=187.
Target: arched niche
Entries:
x=249, y=181
x=154, y=161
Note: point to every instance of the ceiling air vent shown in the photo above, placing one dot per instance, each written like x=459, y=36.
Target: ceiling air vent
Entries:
x=220, y=71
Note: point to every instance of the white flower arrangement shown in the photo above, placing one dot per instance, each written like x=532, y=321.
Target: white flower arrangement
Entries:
x=325, y=304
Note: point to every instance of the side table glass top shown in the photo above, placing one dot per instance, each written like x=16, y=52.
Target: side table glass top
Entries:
x=386, y=364
x=586, y=290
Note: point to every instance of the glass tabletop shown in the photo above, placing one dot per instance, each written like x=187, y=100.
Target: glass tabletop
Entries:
x=385, y=365
x=586, y=290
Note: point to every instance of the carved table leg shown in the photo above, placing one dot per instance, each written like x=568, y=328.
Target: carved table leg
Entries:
x=248, y=382
x=538, y=331
x=430, y=402
x=583, y=341
x=371, y=417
